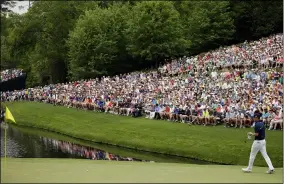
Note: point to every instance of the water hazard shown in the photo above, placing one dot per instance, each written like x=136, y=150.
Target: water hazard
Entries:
x=34, y=143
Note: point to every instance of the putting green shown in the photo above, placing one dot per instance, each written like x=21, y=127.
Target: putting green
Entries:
x=85, y=171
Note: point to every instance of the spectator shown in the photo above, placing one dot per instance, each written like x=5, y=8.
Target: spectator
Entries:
x=277, y=120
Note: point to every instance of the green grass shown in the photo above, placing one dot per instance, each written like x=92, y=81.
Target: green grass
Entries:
x=216, y=144
x=16, y=170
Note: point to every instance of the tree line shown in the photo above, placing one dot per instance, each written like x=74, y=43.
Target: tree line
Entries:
x=60, y=41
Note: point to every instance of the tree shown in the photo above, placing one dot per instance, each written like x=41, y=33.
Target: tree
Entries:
x=206, y=24
x=96, y=45
x=154, y=32
x=39, y=42
x=7, y=24
x=55, y=40
x=255, y=19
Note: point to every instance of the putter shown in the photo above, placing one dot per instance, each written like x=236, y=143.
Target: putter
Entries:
x=248, y=138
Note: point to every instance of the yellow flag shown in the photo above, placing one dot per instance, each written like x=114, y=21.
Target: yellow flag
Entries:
x=9, y=115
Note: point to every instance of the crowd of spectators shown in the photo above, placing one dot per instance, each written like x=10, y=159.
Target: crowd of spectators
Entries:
x=222, y=86
x=84, y=152
x=266, y=52
x=10, y=74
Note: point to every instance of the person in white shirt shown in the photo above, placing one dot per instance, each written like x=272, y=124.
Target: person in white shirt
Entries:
x=148, y=111
x=171, y=115
x=278, y=119
x=162, y=112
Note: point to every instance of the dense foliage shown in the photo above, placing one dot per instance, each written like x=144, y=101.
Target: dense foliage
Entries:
x=59, y=41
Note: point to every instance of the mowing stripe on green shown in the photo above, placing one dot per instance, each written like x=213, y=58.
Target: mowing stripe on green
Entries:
x=83, y=171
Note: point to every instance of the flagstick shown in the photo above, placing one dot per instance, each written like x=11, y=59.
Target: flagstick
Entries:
x=5, y=146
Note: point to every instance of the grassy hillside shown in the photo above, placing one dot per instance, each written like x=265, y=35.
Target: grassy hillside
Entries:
x=216, y=144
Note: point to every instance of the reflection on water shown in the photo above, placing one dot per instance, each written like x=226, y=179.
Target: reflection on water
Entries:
x=13, y=146
x=22, y=144
x=82, y=151
x=34, y=143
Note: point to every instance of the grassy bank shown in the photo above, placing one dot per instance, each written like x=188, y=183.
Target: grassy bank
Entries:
x=216, y=144
x=87, y=171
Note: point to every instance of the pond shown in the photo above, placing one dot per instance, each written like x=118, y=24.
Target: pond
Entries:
x=33, y=143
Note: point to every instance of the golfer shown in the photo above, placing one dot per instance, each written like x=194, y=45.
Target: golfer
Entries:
x=259, y=144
